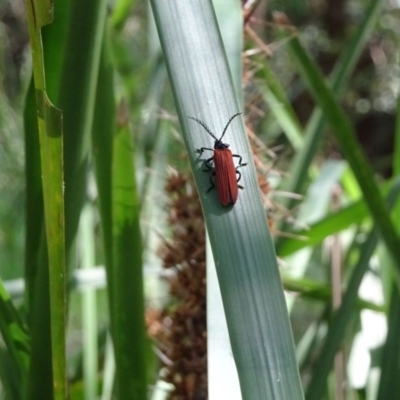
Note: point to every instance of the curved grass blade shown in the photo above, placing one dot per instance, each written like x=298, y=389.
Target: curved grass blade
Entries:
x=331, y=224
x=315, y=127
x=351, y=149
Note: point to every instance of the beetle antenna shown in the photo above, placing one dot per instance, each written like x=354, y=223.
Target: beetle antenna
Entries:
x=226, y=127
x=204, y=126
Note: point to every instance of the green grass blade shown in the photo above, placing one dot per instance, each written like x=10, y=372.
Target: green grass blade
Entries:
x=77, y=57
x=127, y=275
x=36, y=260
x=17, y=342
x=280, y=106
x=102, y=137
x=331, y=224
x=247, y=270
x=307, y=288
x=389, y=364
x=51, y=155
x=89, y=311
x=40, y=377
x=76, y=97
x=34, y=195
x=396, y=159
x=36, y=263
x=316, y=124
x=350, y=148
x=390, y=355
x=119, y=209
x=396, y=156
x=230, y=21
x=345, y=313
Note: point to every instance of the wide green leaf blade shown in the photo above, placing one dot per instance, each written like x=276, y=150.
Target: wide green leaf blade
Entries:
x=251, y=289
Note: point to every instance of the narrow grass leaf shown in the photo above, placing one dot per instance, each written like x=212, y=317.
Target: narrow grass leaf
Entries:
x=315, y=127
x=89, y=303
x=345, y=313
x=396, y=159
x=102, y=139
x=230, y=22
x=319, y=231
x=51, y=155
x=307, y=288
x=280, y=106
x=127, y=275
x=389, y=363
x=350, y=148
x=76, y=97
x=16, y=340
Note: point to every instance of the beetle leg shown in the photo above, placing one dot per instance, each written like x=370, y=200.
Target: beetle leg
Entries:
x=208, y=165
x=239, y=166
x=207, y=162
x=238, y=179
x=201, y=151
x=211, y=181
x=240, y=161
x=240, y=175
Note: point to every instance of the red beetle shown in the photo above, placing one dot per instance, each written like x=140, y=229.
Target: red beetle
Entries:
x=224, y=169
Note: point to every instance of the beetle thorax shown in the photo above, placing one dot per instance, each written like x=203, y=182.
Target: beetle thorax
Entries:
x=220, y=146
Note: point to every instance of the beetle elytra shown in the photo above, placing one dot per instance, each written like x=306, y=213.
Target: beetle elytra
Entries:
x=224, y=170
